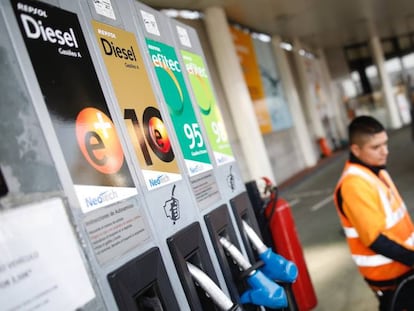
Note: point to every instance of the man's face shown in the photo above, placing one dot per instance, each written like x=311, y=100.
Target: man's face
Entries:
x=374, y=151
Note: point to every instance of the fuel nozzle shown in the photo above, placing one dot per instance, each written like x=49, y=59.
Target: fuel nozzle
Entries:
x=263, y=291
x=276, y=267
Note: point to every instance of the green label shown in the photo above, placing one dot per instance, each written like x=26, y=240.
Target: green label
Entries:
x=187, y=128
x=209, y=109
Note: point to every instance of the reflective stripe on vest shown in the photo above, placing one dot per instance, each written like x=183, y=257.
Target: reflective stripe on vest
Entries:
x=372, y=260
x=351, y=233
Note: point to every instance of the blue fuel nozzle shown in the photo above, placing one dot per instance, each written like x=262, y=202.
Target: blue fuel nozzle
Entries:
x=264, y=292
x=277, y=267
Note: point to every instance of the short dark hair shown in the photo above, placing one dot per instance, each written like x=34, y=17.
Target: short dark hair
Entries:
x=361, y=127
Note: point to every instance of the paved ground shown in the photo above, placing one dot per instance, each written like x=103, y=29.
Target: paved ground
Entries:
x=338, y=285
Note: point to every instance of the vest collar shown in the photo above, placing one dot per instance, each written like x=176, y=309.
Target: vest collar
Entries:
x=374, y=169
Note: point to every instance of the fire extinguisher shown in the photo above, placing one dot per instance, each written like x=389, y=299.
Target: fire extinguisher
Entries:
x=287, y=244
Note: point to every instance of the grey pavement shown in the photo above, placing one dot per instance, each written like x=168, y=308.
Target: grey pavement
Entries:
x=338, y=285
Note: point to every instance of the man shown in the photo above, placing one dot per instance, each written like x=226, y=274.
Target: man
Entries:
x=378, y=228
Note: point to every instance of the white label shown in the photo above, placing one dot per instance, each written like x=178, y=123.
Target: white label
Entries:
x=40, y=264
x=183, y=36
x=104, y=7
x=94, y=197
x=150, y=23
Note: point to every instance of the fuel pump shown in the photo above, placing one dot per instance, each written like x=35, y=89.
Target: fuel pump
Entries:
x=263, y=292
x=211, y=289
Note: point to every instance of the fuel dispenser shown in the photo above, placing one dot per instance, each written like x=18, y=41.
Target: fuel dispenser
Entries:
x=137, y=190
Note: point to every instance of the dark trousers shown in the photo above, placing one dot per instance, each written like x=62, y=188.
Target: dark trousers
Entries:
x=401, y=299
x=385, y=299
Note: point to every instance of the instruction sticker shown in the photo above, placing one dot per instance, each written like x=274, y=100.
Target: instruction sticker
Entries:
x=183, y=36
x=150, y=23
x=115, y=230
x=104, y=7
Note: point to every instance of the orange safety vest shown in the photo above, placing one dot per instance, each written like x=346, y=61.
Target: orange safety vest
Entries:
x=371, y=205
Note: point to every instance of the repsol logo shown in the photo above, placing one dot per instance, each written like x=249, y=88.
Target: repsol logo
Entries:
x=111, y=49
x=157, y=181
x=103, y=197
x=107, y=33
x=35, y=29
x=31, y=10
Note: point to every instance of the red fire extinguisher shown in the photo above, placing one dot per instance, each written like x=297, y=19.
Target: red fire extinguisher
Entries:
x=287, y=244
